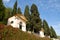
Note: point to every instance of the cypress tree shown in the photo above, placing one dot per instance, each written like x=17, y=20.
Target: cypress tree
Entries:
x=46, y=28
x=14, y=9
x=2, y=11
x=19, y=11
x=52, y=33
x=27, y=15
x=7, y=14
x=35, y=18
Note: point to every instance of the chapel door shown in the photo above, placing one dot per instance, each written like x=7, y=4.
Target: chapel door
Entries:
x=20, y=25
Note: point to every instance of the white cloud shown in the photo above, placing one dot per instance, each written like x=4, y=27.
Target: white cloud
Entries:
x=6, y=0
x=59, y=24
x=50, y=4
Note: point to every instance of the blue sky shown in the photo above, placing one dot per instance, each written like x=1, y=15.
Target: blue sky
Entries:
x=48, y=9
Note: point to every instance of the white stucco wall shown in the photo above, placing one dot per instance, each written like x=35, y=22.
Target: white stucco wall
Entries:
x=54, y=39
x=16, y=22
x=23, y=25
x=42, y=34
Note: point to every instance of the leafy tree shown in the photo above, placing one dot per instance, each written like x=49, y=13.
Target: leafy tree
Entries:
x=9, y=11
x=46, y=28
x=14, y=9
x=52, y=33
x=7, y=14
x=27, y=15
x=35, y=18
x=19, y=11
x=2, y=10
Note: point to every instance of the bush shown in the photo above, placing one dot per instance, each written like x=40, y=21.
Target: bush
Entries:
x=10, y=33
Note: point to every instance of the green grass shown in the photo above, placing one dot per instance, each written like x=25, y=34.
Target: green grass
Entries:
x=10, y=33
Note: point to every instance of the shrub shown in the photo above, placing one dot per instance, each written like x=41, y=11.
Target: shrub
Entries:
x=10, y=33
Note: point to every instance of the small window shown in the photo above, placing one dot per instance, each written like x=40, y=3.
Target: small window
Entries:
x=20, y=22
x=11, y=21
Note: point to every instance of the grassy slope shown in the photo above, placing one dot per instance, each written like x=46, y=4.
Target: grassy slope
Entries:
x=9, y=33
x=59, y=37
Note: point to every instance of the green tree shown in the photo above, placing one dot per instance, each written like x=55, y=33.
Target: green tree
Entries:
x=7, y=14
x=2, y=11
x=35, y=18
x=19, y=11
x=52, y=33
x=14, y=9
x=46, y=28
x=27, y=15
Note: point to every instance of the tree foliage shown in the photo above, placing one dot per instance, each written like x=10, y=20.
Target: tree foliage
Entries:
x=2, y=10
x=19, y=11
x=7, y=14
x=52, y=33
x=35, y=18
x=46, y=28
x=14, y=9
x=27, y=15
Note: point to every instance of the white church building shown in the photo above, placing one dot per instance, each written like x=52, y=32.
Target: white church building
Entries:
x=18, y=21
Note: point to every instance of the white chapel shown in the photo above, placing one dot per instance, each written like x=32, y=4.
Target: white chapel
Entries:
x=18, y=21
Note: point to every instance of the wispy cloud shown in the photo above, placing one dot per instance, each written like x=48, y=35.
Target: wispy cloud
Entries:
x=6, y=0
x=49, y=4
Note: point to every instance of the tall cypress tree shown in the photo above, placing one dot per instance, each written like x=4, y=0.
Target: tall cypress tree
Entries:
x=52, y=33
x=7, y=15
x=35, y=18
x=2, y=10
x=27, y=15
x=19, y=11
x=46, y=28
x=14, y=9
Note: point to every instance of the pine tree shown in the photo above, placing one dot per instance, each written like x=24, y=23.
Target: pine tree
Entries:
x=52, y=33
x=14, y=9
x=19, y=11
x=35, y=18
x=2, y=10
x=27, y=15
x=46, y=28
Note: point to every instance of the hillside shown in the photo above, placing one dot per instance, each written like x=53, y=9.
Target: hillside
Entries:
x=10, y=33
x=59, y=37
